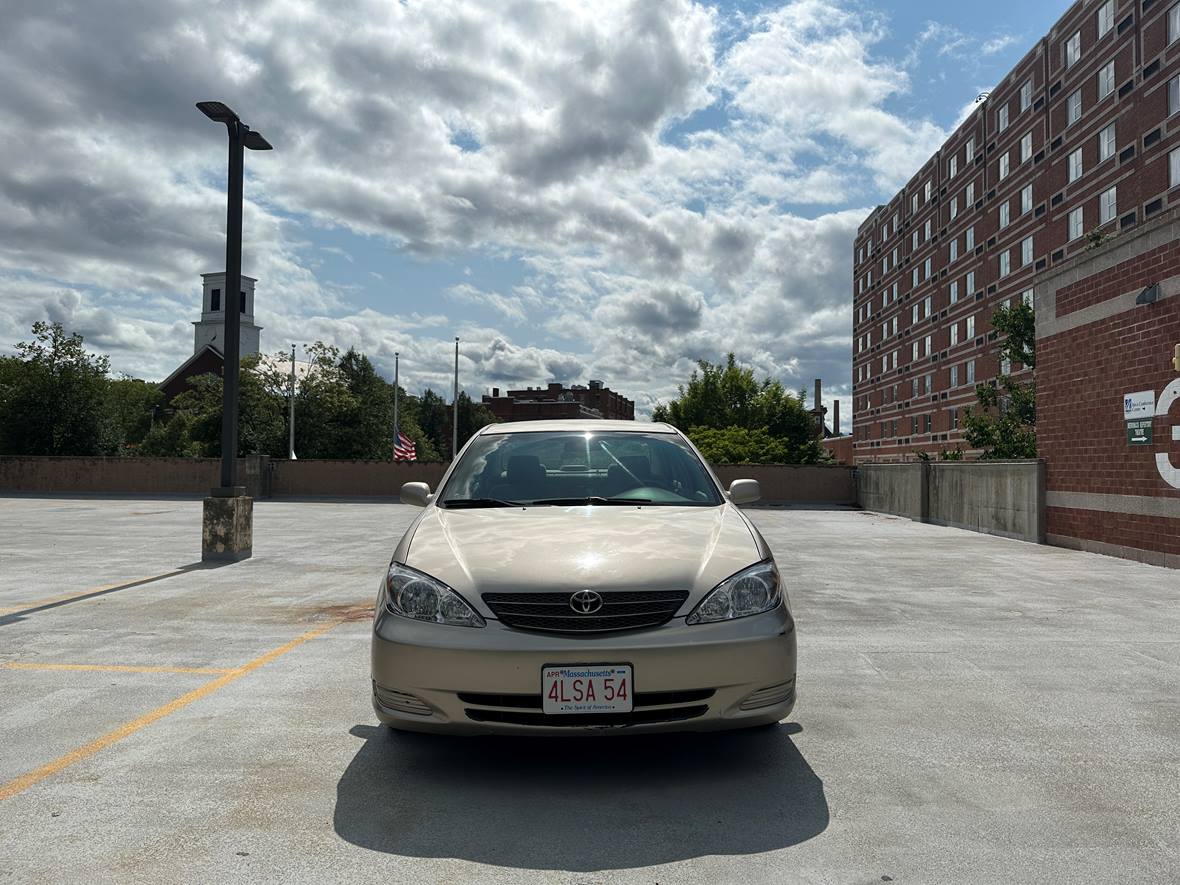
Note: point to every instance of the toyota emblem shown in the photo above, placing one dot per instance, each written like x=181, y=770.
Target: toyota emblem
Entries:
x=586, y=602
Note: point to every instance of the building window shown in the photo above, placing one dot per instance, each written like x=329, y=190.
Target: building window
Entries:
x=1005, y=214
x=1174, y=23
x=1174, y=164
x=914, y=204
x=970, y=371
x=929, y=383
x=970, y=282
x=914, y=279
x=894, y=325
x=1173, y=95
x=969, y=196
x=1075, y=223
x=1073, y=49
x=954, y=334
x=927, y=303
x=884, y=330
x=954, y=208
x=1005, y=263
x=1025, y=147
x=914, y=241
x=1026, y=197
x=1073, y=108
x=1004, y=166
x=1005, y=366
x=970, y=328
x=895, y=359
x=925, y=423
x=914, y=355
x=884, y=363
x=1026, y=251
x=926, y=192
x=914, y=425
x=953, y=166
x=895, y=222
x=954, y=291
x=970, y=149
x=1026, y=95
x=954, y=376
x=926, y=269
x=1075, y=165
x=954, y=250
x=895, y=256
x=885, y=265
x=1106, y=80
x=1105, y=18
x=1107, y=206
x=1106, y=144
x=970, y=238
x=926, y=229
x=954, y=414
x=1002, y=119
x=1027, y=297
x=914, y=315
x=895, y=291
x=215, y=300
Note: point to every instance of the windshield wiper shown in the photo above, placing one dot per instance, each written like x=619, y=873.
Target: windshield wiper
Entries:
x=472, y=503
x=592, y=499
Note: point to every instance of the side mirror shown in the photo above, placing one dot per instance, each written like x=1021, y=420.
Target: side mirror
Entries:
x=744, y=491
x=416, y=493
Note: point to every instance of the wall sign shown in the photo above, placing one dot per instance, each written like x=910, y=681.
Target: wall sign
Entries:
x=1169, y=472
x=1138, y=413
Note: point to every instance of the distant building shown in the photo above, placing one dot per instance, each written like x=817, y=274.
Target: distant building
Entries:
x=209, y=333
x=557, y=401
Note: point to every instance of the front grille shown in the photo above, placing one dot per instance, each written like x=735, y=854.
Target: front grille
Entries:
x=535, y=702
x=581, y=720
x=551, y=612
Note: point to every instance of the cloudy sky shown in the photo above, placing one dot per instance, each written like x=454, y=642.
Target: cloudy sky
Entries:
x=588, y=189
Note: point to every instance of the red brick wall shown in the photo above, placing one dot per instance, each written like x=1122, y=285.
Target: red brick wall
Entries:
x=1082, y=376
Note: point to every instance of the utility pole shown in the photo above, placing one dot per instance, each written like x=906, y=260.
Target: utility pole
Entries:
x=455, y=413
x=291, y=411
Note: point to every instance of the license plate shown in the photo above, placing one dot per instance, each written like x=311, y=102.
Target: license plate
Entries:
x=586, y=688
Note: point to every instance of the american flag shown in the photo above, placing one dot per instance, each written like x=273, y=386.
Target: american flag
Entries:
x=403, y=448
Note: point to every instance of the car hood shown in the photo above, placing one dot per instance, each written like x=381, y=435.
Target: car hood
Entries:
x=575, y=548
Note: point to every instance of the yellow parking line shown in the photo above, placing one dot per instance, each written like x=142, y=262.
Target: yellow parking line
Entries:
x=114, y=668
x=22, y=783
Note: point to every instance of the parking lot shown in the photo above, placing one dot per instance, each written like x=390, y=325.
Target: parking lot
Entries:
x=971, y=709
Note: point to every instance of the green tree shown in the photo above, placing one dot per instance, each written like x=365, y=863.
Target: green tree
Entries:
x=132, y=406
x=1004, y=422
x=757, y=420
x=53, y=396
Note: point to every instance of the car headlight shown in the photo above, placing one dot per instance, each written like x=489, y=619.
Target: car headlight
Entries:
x=750, y=592
x=415, y=595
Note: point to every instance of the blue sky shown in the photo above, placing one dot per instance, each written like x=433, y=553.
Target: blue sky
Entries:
x=608, y=190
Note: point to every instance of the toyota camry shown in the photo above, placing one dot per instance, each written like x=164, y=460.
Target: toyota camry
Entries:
x=577, y=576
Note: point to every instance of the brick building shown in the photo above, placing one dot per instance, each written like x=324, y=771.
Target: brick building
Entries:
x=1081, y=136
x=557, y=401
x=1108, y=395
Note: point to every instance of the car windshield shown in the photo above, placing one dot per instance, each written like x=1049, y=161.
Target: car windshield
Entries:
x=575, y=467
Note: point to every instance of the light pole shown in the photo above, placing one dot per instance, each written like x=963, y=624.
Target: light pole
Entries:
x=455, y=407
x=236, y=541
x=291, y=411
x=396, y=429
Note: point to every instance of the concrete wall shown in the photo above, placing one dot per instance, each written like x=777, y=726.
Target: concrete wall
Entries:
x=349, y=479
x=794, y=483
x=130, y=476
x=266, y=477
x=995, y=497
x=892, y=488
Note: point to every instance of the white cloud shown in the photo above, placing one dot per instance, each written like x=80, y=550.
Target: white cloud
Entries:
x=540, y=131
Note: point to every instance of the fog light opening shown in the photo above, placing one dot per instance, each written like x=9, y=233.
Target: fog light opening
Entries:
x=401, y=701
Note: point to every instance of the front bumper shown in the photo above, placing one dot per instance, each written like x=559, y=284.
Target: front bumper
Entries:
x=462, y=680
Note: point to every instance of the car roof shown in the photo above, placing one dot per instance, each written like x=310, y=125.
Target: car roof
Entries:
x=579, y=426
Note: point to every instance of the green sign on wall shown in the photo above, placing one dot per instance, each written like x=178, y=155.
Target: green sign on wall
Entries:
x=1139, y=432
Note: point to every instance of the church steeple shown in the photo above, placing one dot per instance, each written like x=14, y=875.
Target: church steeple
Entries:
x=210, y=329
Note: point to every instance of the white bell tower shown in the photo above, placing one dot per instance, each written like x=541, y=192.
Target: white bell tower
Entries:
x=211, y=327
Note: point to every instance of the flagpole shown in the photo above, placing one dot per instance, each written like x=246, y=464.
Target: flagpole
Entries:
x=291, y=411
x=455, y=407
x=395, y=430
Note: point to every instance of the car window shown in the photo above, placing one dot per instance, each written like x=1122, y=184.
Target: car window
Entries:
x=655, y=468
